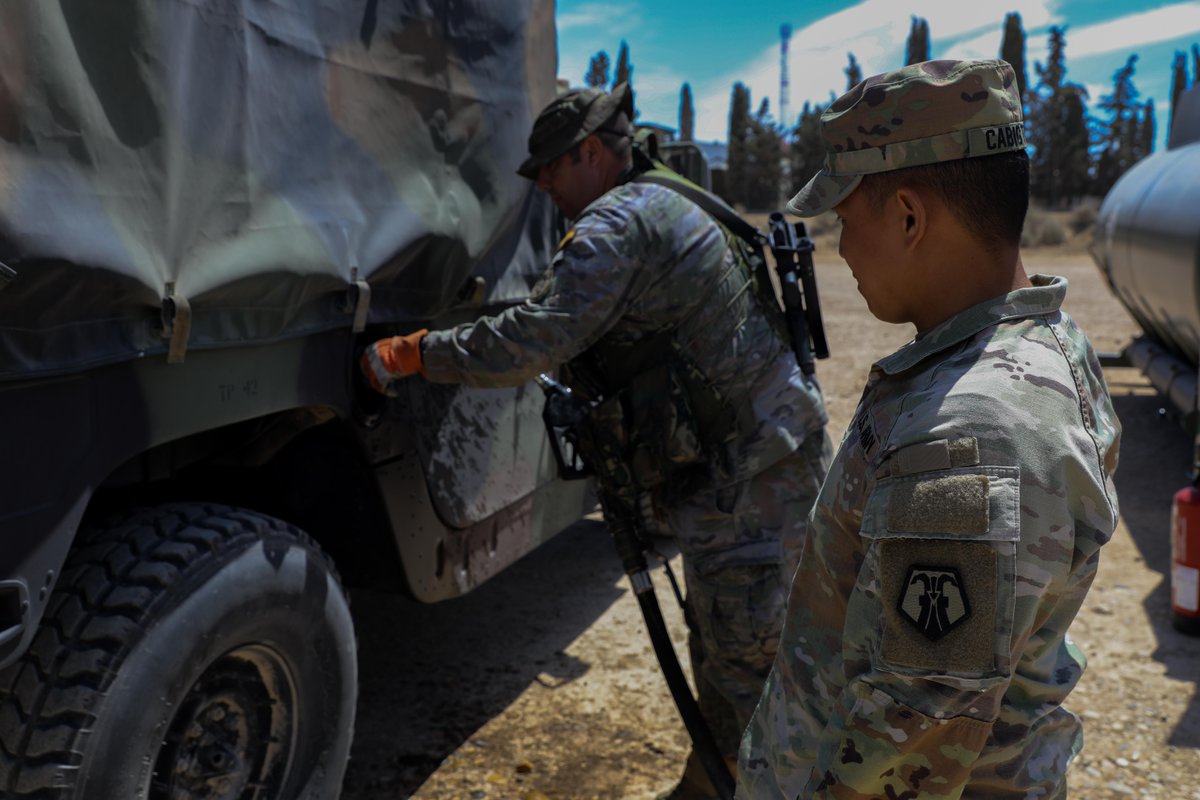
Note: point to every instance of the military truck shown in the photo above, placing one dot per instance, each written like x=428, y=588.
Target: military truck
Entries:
x=683, y=156
x=208, y=208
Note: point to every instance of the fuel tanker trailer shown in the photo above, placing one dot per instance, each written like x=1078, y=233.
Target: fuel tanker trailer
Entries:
x=1147, y=244
x=208, y=209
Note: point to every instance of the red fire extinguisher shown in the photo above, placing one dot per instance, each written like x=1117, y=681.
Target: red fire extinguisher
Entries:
x=1185, y=561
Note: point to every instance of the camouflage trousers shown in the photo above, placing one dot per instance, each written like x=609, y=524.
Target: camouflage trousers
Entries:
x=740, y=546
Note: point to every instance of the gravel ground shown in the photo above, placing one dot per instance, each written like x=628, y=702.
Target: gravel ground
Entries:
x=541, y=683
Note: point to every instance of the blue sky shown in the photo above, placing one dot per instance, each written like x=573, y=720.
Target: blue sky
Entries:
x=713, y=43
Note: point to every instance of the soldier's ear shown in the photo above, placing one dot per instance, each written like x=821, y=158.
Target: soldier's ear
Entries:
x=591, y=149
x=912, y=216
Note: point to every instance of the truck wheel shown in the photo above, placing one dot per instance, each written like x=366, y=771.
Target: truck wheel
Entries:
x=189, y=651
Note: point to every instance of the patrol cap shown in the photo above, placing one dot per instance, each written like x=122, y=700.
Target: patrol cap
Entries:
x=570, y=119
x=922, y=114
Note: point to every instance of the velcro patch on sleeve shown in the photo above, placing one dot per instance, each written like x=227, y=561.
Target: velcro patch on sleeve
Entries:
x=964, y=452
x=954, y=504
x=940, y=600
x=924, y=457
x=940, y=454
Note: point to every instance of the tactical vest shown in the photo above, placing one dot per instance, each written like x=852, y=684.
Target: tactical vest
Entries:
x=661, y=415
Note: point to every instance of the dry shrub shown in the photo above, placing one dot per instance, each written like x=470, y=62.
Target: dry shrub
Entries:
x=1042, y=230
x=1083, y=218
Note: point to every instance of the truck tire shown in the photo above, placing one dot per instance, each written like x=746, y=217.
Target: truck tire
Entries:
x=188, y=651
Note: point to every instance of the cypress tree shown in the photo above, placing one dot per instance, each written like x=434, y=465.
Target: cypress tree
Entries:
x=1012, y=49
x=597, y=74
x=624, y=69
x=917, y=49
x=853, y=72
x=736, y=158
x=624, y=73
x=687, y=114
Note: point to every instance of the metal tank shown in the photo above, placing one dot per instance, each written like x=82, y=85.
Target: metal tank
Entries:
x=1147, y=244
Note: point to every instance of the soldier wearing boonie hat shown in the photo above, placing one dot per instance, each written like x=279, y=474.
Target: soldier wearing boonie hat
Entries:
x=571, y=118
x=925, y=652
x=645, y=271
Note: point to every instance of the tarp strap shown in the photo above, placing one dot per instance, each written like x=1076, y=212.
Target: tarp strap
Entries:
x=7, y=274
x=177, y=324
x=358, y=300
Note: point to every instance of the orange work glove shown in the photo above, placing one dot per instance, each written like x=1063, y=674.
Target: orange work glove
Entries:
x=389, y=359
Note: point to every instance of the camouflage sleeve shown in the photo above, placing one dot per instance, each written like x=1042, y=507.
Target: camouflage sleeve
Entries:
x=595, y=276
x=878, y=746
x=972, y=573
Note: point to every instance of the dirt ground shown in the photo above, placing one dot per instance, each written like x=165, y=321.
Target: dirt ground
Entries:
x=541, y=684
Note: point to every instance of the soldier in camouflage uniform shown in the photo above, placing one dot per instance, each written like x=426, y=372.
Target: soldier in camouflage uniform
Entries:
x=925, y=652
x=642, y=262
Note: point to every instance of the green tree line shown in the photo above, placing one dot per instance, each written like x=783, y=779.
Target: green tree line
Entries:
x=1073, y=151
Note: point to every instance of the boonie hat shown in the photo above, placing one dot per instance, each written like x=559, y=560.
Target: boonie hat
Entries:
x=570, y=119
x=921, y=114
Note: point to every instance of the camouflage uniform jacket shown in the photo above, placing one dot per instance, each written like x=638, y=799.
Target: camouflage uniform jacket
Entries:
x=639, y=259
x=925, y=654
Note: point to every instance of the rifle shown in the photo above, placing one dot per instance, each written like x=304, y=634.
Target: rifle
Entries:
x=801, y=306
x=583, y=447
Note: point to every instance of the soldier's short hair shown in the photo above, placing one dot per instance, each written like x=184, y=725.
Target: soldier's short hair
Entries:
x=988, y=196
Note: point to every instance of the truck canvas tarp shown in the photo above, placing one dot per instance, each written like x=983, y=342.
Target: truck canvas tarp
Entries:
x=208, y=210
x=198, y=174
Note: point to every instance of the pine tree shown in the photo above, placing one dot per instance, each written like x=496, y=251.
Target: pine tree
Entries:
x=806, y=151
x=917, y=49
x=1012, y=50
x=1179, y=82
x=597, y=74
x=736, y=158
x=1075, y=161
x=853, y=72
x=764, y=174
x=1057, y=130
x=1146, y=134
x=687, y=114
x=1119, y=139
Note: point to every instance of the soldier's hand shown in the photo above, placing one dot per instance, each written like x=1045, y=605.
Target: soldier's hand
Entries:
x=389, y=359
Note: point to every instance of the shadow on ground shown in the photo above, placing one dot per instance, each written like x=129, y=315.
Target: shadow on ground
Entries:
x=431, y=675
x=1155, y=462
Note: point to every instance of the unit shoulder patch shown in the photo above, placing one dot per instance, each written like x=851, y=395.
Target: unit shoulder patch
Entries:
x=934, y=600
x=941, y=598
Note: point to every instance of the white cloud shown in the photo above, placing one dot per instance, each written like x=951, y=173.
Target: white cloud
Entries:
x=656, y=80
x=1135, y=30
x=606, y=16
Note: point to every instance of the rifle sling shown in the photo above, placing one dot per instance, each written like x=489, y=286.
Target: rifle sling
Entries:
x=710, y=203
